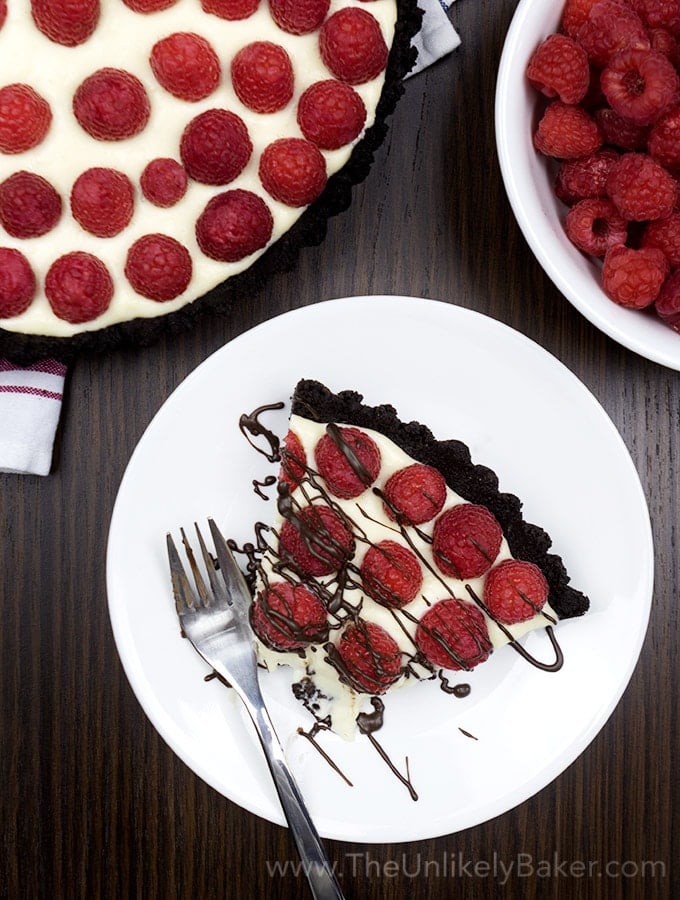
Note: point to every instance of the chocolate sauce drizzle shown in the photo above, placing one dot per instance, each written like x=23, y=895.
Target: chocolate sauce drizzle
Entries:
x=311, y=737
x=370, y=722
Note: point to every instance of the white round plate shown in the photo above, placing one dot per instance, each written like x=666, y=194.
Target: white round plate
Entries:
x=529, y=186
x=522, y=413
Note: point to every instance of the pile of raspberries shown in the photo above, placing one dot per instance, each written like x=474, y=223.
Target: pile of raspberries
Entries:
x=613, y=124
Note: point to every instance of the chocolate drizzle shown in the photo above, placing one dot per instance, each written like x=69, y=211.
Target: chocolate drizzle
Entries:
x=250, y=427
x=370, y=722
x=458, y=690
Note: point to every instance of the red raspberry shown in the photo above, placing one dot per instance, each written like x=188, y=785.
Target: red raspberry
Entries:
x=348, y=461
x=566, y=132
x=230, y=9
x=515, y=591
x=233, y=225
x=289, y=617
x=466, y=540
x=25, y=118
x=664, y=42
x=29, y=205
x=298, y=16
x=262, y=76
x=352, y=45
x=391, y=574
x=574, y=15
x=148, y=6
x=667, y=304
x=3, y=12
x=664, y=235
x=621, y=132
x=609, y=28
x=158, y=267
x=658, y=13
x=215, y=147
x=331, y=114
x=559, y=68
x=111, y=105
x=664, y=139
x=317, y=541
x=79, y=287
x=586, y=176
x=102, y=201
x=369, y=658
x=293, y=171
x=67, y=22
x=415, y=494
x=164, y=182
x=594, y=225
x=640, y=85
x=293, y=460
x=633, y=278
x=640, y=188
x=17, y=283
x=186, y=66
x=453, y=634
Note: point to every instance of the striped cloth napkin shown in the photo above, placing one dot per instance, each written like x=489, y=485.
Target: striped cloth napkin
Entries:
x=31, y=396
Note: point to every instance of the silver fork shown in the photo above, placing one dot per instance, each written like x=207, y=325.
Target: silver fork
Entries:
x=215, y=619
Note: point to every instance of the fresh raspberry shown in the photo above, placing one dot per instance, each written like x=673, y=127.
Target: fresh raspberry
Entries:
x=317, y=541
x=262, y=76
x=348, y=460
x=17, y=283
x=667, y=304
x=158, y=267
x=640, y=85
x=331, y=114
x=186, y=66
x=230, y=9
x=369, y=658
x=415, y=494
x=298, y=16
x=352, y=45
x=111, y=105
x=288, y=617
x=466, y=540
x=215, y=147
x=149, y=6
x=293, y=460
x=233, y=225
x=293, y=171
x=29, y=205
x=79, y=287
x=620, y=132
x=164, y=182
x=453, y=634
x=609, y=28
x=515, y=591
x=664, y=235
x=25, y=118
x=640, y=188
x=574, y=15
x=3, y=12
x=658, y=13
x=633, y=278
x=594, y=225
x=102, y=201
x=664, y=139
x=578, y=179
x=664, y=42
x=67, y=22
x=566, y=132
x=391, y=574
x=559, y=68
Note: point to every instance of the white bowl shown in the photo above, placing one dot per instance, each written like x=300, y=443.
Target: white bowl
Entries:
x=540, y=214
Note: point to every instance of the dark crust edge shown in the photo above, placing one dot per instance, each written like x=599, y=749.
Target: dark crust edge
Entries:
x=308, y=231
x=475, y=483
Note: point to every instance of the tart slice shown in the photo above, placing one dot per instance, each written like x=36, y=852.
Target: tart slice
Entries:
x=392, y=558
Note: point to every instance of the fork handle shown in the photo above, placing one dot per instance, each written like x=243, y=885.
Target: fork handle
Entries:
x=315, y=863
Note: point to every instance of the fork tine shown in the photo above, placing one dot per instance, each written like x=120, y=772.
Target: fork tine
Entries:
x=237, y=588
x=217, y=586
x=181, y=589
x=201, y=588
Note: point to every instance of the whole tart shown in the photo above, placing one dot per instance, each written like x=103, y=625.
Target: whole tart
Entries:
x=392, y=558
x=160, y=157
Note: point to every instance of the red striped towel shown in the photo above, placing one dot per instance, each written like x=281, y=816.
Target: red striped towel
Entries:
x=30, y=403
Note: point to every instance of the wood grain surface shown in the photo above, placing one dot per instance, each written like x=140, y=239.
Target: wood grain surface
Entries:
x=92, y=801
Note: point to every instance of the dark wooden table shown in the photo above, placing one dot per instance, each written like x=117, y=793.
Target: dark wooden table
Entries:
x=94, y=804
